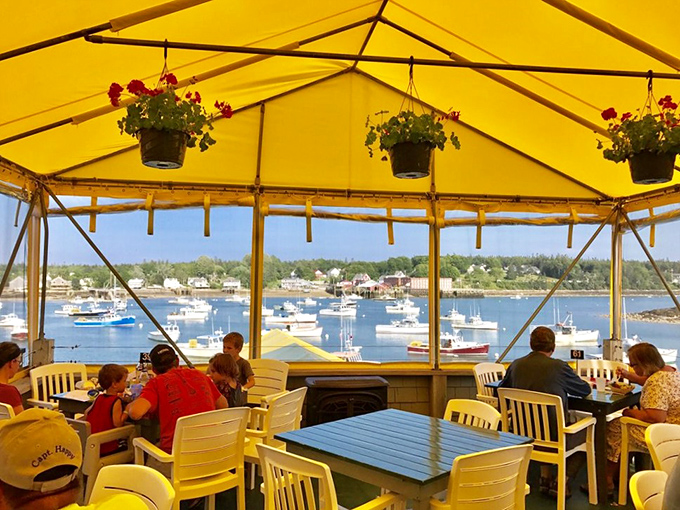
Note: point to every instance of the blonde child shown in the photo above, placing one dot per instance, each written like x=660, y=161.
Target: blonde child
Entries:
x=232, y=345
x=107, y=410
x=223, y=371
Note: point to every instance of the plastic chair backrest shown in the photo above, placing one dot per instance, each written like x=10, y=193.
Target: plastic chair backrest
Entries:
x=663, y=441
x=646, y=489
x=271, y=376
x=289, y=481
x=473, y=412
x=283, y=415
x=486, y=373
x=48, y=380
x=490, y=479
x=599, y=368
x=146, y=483
x=6, y=411
x=536, y=415
x=209, y=444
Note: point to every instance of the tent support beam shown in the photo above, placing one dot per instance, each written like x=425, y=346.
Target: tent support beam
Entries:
x=120, y=279
x=616, y=278
x=652, y=261
x=17, y=244
x=98, y=39
x=558, y=283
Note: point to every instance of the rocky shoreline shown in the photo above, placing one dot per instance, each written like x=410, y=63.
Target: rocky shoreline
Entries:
x=660, y=315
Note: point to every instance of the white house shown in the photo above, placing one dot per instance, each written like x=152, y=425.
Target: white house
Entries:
x=136, y=283
x=231, y=284
x=172, y=284
x=198, y=282
x=60, y=283
x=445, y=284
x=86, y=283
x=335, y=272
x=17, y=284
x=319, y=275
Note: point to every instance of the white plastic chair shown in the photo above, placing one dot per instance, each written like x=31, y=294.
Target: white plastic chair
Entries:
x=93, y=462
x=486, y=373
x=490, y=479
x=288, y=484
x=647, y=488
x=144, y=482
x=283, y=415
x=663, y=441
x=473, y=412
x=271, y=377
x=532, y=413
x=626, y=449
x=48, y=380
x=6, y=411
x=207, y=455
x=599, y=368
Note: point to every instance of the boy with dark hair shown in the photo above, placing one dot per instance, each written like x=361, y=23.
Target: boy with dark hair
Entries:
x=232, y=345
x=107, y=411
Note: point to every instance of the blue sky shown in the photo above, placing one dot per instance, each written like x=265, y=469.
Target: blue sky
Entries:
x=178, y=236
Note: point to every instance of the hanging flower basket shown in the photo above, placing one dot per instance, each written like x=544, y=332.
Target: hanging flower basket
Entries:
x=648, y=167
x=162, y=149
x=411, y=160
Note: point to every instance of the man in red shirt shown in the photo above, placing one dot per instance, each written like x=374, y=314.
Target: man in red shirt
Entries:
x=174, y=392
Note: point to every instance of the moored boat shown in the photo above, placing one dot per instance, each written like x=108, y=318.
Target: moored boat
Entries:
x=404, y=306
x=451, y=345
x=110, y=319
x=187, y=314
x=11, y=320
x=476, y=322
x=407, y=326
x=172, y=329
x=454, y=316
x=339, y=310
x=293, y=318
x=568, y=334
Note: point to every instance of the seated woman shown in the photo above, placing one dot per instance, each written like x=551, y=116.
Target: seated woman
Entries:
x=659, y=402
x=10, y=361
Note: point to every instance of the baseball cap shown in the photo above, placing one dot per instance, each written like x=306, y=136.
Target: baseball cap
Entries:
x=34, y=442
x=162, y=355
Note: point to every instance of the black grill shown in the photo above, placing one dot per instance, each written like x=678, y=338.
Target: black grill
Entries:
x=334, y=398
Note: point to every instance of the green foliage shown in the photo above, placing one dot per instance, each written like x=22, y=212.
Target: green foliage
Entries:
x=406, y=126
x=658, y=133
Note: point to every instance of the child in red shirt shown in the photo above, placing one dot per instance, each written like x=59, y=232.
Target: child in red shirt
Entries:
x=107, y=410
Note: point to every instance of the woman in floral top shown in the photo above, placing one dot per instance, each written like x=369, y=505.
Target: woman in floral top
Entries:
x=223, y=370
x=659, y=403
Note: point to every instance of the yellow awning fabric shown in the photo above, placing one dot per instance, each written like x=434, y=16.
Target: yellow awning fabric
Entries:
x=298, y=131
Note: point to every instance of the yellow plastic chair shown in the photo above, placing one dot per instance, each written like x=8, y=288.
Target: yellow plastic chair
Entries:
x=207, y=455
x=93, y=462
x=289, y=482
x=531, y=412
x=491, y=479
x=485, y=373
x=6, y=411
x=626, y=449
x=144, y=482
x=47, y=380
x=271, y=377
x=647, y=488
x=473, y=412
x=599, y=368
x=283, y=414
x=663, y=441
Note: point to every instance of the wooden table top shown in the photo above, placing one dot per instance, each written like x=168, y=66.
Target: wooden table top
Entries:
x=417, y=448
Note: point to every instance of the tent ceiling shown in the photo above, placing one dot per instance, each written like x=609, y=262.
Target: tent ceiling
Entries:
x=526, y=137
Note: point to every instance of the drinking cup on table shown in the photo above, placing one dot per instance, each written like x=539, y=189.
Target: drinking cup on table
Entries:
x=136, y=390
x=600, y=383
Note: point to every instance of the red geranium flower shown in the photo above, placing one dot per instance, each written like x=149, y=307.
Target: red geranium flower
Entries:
x=609, y=114
x=626, y=116
x=114, y=93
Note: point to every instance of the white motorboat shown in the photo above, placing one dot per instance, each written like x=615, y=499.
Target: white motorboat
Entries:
x=452, y=344
x=12, y=320
x=187, y=314
x=67, y=309
x=476, y=322
x=234, y=298
x=454, y=316
x=202, y=348
x=404, y=306
x=305, y=330
x=289, y=307
x=307, y=302
x=516, y=296
x=200, y=305
x=339, y=310
x=172, y=329
x=407, y=326
x=385, y=297
x=353, y=296
x=568, y=334
x=180, y=300
x=669, y=355
x=293, y=318
x=266, y=312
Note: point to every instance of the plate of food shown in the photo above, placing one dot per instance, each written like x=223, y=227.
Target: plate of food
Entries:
x=621, y=387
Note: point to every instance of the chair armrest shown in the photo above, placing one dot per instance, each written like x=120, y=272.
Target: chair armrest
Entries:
x=267, y=398
x=256, y=418
x=128, y=431
x=627, y=420
x=384, y=501
x=255, y=433
x=144, y=446
x=34, y=402
x=92, y=463
x=583, y=423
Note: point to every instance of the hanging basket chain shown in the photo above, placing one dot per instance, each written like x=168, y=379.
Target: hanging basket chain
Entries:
x=411, y=91
x=651, y=100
